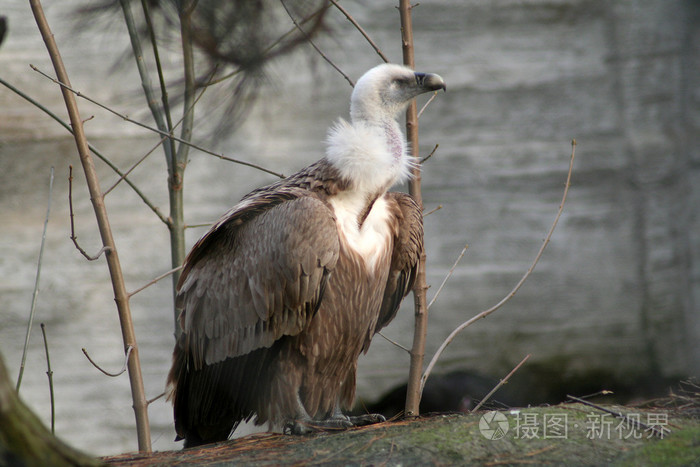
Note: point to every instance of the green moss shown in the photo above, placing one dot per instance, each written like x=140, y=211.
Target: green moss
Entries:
x=681, y=447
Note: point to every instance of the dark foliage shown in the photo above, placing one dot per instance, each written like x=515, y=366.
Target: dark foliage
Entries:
x=237, y=38
x=3, y=28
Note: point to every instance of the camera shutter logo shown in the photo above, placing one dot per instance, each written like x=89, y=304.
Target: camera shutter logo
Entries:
x=493, y=425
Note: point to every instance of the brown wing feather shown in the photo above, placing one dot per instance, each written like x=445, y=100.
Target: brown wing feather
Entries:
x=408, y=245
x=256, y=276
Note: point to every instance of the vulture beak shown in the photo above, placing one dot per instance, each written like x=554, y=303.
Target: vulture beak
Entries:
x=430, y=81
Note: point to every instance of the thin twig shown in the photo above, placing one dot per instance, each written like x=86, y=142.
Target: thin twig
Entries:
x=500, y=383
x=359, y=28
x=162, y=276
x=159, y=69
x=237, y=161
x=449, y=274
x=49, y=373
x=188, y=100
x=113, y=375
x=133, y=166
x=308, y=39
x=437, y=208
x=155, y=130
x=72, y=222
x=395, y=343
x=430, y=155
x=604, y=392
x=151, y=101
x=36, y=284
x=485, y=313
x=194, y=226
x=166, y=221
x=426, y=104
x=634, y=423
x=150, y=401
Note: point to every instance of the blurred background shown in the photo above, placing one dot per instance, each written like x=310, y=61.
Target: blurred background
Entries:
x=613, y=304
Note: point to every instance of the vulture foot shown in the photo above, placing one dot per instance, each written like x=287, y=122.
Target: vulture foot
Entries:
x=367, y=419
x=337, y=422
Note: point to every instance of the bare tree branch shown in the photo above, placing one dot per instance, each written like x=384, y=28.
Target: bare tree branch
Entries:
x=92, y=148
x=156, y=111
x=360, y=29
x=395, y=343
x=133, y=166
x=154, y=130
x=112, y=375
x=150, y=401
x=162, y=276
x=324, y=56
x=35, y=294
x=159, y=70
x=500, y=383
x=73, y=237
x=437, y=208
x=49, y=373
x=430, y=155
x=425, y=106
x=449, y=274
x=203, y=224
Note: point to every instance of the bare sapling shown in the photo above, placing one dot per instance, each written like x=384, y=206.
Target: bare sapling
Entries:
x=414, y=188
x=120, y=295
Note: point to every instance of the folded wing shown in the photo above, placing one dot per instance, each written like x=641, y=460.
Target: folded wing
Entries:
x=408, y=245
x=257, y=275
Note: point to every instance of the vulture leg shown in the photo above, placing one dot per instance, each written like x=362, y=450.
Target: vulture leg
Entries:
x=305, y=427
x=304, y=424
x=338, y=421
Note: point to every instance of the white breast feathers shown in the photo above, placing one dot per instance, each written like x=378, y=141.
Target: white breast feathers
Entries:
x=372, y=240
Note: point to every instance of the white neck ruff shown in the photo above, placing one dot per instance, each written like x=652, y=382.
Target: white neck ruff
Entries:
x=373, y=157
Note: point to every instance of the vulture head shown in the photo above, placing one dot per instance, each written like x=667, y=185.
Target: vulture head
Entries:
x=370, y=152
x=385, y=91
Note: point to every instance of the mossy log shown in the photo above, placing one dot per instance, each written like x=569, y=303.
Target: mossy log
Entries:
x=459, y=439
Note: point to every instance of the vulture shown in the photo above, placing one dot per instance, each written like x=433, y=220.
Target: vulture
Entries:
x=279, y=298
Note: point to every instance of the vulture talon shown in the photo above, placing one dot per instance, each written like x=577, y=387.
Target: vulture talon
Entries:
x=367, y=419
